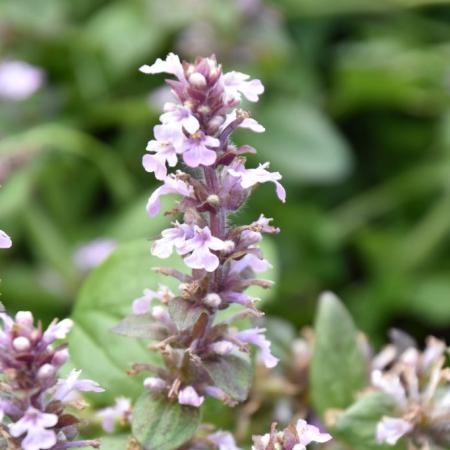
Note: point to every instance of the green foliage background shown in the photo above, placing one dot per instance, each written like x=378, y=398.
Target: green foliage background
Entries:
x=357, y=114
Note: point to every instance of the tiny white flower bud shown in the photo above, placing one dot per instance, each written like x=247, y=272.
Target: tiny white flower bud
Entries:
x=155, y=384
x=160, y=313
x=216, y=122
x=197, y=80
x=229, y=246
x=222, y=347
x=204, y=109
x=24, y=318
x=212, y=300
x=21, y=344
x=46, y=371
x=213, y=200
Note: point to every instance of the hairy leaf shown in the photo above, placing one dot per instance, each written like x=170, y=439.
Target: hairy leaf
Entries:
x=104, y=300
x=185, y=314
x=338, y=370
x=140, y=326
x=231, y=373
x=160, y=424
x=357, y=425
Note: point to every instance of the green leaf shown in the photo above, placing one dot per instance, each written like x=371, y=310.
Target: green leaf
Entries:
x=160, y=424
x=338, y=370
x=327, y=7
x=185, y=314
x=232, y=373
x=140, y=326
x=61, y=138
x=111, y=27
x=114, y=442
x=357, y=425
x=303, y=144
x=104, y=300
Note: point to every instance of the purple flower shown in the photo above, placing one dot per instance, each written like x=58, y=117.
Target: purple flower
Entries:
x=57, y=330
x=188, y=396
x=155, y=384
x=309, y=433
x=164, y=149
x=35, y=423
x=201, y=245
x=142, y=304
x=248, y=123
x=172, y=185
x=391, y=429
x=250, y=261
x=179, y=117
x=250, y=177
x=256, y=337
x=196, y=152
x=72, y=383
x=93, y=253
x=237, y=83
x=19, y=80
x=172, y=238
x=171, y=65
x=5, y=240
x=223, y=440
x=120, y=412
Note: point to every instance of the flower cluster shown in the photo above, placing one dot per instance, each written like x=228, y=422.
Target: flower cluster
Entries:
x=33, y=399
x=294, y=437
x=201, y=352
x=418, y=385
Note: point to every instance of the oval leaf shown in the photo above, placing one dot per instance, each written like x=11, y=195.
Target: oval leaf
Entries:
x=160, y=424
x=232, y=373
x=104, y=300
x=338, y=370
x=357, y=425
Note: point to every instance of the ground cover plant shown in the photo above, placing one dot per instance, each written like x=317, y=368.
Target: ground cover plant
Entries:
x=399, y=397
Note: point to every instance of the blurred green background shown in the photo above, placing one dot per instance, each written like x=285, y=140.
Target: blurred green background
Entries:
x=357, y=114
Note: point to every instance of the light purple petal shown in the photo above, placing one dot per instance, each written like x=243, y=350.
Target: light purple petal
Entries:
x=142, y=304
x=256, y=337
x=189, y=396
x=19, y=80
x=152, y=163
x=65, y=386
x=197, y=154
x=5, y=240
x=202, y=258
x=223, y=440
x=171, y=65
x=309, y=433
x=391, y=429
x=93, y=253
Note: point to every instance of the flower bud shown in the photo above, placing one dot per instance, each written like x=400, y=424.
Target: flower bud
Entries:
x=212, y=300
x=222, y=347
x=60, y=357
x=46, y=371
x=229, y=246
x=21, y=344
x=155, y=384
x=216, y=122
x=213, y=200
x=24, y=318
x=197, y=80
x=204, y=109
